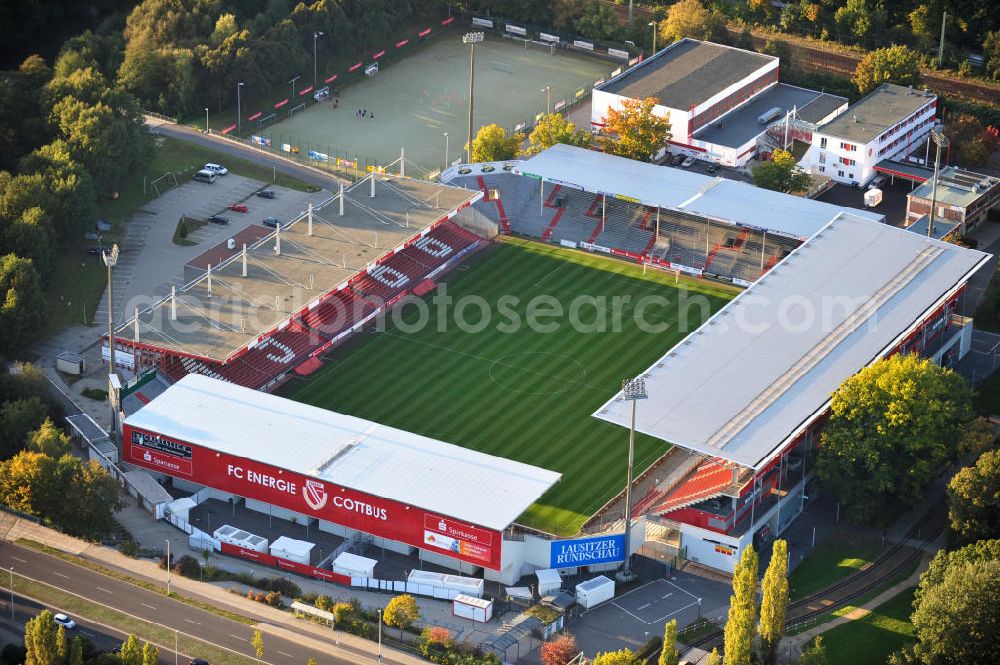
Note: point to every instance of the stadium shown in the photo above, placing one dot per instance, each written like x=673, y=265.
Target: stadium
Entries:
x=498, y=453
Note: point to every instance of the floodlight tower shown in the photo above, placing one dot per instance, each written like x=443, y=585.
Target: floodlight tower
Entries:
x=316, y=35
x=471, y=38
x=633, y=390
x=940, y=141
x=110, y=259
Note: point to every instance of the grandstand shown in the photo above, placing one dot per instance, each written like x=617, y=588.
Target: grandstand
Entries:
x=287, y=297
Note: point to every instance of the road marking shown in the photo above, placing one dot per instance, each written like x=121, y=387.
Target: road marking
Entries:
x=56, y=572
x=284, y=654
x=642, y=607
x=667, y=596
x=17, y=558
x=149, y=606
x=197, y=623
x=239, y=638
x=637, y=618
x=86, y=633
x=104, y=590
x=678, y=611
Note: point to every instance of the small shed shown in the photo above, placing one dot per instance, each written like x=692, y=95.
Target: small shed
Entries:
x=353, y=565
x=595, y=591
x=149, y=493
x=84, y=430
x=293, y=550
x=549, y=581
x=469, y=607
x=68, y=362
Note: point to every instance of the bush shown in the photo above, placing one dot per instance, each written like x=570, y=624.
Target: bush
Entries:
x=651, y=646
x=281, y=585
x=324, y=603
x=273, y=599
x=187, y=566
x=342, y=612
x=163, y=561
x=95, y=394
x=12, y=654
x=309, y=598
x=129, y=548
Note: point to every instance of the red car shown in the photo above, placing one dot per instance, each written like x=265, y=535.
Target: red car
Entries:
x=238, y=207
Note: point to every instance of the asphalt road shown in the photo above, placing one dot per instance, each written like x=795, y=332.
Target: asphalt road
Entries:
x=225, y=146
x=173, y=614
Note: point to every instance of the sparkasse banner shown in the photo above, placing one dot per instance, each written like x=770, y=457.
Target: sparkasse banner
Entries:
x=248, y=478
x=587, y=551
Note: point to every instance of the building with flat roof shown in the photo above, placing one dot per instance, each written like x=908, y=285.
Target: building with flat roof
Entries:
x=963, y=198
x=886, y=125
x=720, y=99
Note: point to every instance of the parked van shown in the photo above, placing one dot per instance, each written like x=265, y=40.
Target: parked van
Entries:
x=877, y=181
x=768, y=116
x=204, y=176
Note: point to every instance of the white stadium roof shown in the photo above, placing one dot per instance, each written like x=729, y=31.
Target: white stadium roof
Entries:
x=746, y=381
x=720, y=198
x=351, y=452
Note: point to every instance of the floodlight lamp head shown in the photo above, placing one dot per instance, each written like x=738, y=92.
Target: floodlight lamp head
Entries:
x=111, y=258
x=633, y=389
x=473, y=37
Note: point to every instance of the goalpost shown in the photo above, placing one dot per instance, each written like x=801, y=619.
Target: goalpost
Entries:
x=535, y=45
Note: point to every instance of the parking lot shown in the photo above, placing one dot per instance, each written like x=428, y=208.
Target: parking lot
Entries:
x=151, y=262
x=893, y=204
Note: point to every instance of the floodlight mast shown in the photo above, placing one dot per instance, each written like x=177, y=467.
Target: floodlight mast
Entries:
x=940, y=141
x=110, y=259
x=633, y=390
x=471, y=38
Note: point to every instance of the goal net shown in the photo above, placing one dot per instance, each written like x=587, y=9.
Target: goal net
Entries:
x=372, y=69
x=547, y=48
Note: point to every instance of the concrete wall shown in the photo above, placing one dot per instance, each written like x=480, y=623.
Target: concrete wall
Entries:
x=275, y=511
x=709, y=548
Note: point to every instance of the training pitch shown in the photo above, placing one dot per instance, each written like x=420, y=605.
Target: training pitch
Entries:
x=524, y=394
x=416, y=99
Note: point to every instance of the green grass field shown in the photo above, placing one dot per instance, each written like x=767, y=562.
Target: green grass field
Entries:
x=524, y=395
x=829, y=562
x=870, y=639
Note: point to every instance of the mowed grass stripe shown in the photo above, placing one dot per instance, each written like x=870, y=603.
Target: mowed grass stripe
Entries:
x=524, y=395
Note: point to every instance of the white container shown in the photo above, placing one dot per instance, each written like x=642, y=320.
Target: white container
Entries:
x=873, y=197
x=594, y=592
x=468, y=607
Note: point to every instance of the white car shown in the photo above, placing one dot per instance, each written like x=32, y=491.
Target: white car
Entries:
x=217, y=169
x=64, y=621
x=687, y=163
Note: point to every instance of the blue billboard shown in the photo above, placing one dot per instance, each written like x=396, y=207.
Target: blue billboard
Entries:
x=587, y=551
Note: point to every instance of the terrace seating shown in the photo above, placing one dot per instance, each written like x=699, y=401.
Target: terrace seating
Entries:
x=705, y=482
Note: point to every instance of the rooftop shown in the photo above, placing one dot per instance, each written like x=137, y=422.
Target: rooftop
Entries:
x=744, y=383
x=350, y=452
x=718, y=198
x=687, y=73
x=239, y=309
x=957, y=187
x=879, y=110
x=739, y=127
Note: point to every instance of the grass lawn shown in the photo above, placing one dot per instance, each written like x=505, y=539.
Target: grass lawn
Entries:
x=79, y=278
x=870, y=640
x=829, y=562
x=524, y=394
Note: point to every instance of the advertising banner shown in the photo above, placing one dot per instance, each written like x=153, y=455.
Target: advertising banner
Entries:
x=587, y=551
x=317, y=498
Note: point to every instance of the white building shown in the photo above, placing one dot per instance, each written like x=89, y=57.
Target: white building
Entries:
x=886, y=125
x=719, y=99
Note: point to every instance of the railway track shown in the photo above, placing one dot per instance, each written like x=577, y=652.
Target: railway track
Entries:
x=888, y=566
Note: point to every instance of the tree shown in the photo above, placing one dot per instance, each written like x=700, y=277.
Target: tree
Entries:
x=257, y=641
x=690, y=18
x=76, y=651
x=48, y=440
x=974, y=499
x=21, y=303
x=892, y=427
x=773, y=603
x=977, y=437
x=41, y=640
x=492, y=144
x=636, y=131
x=559, y=650
x=860, y=19
x=714, y=658
x=553, y=129
x=814, y=653
x=781, y=174
x=620, y=657
x=973, y=143
x=742, y=618
x=955, y=614
x=991, y=52
x=401, y=612
x=30, y=236
x=893, y=64
x=131, y=651
x=150, y=654
x=669, y=655
x=18, y=417
x=923, y=25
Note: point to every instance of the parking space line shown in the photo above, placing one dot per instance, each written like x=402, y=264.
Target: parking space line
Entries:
x=637, y=618
x=637, y=588
x=642, y=607
x=680, y=589
x=667, y=616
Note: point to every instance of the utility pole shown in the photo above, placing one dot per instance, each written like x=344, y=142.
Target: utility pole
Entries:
x=944, y=18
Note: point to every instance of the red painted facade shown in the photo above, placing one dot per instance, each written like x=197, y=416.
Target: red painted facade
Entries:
x=313, y=497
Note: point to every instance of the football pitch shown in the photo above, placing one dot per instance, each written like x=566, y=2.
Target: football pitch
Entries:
x=524, y=392
x=419, y=98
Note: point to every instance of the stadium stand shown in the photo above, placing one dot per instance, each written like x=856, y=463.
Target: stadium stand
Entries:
x=705, y=482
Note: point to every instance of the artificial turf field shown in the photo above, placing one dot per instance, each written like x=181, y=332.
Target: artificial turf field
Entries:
x=526, y=395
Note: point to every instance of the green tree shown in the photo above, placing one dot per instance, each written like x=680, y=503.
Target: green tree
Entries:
x=635, y=131
x=955, y=614
x=559, y=650
x=973, y=143
x=892, y=427
x=742, y=618
x=48, y=440
x=41, y=640
x=150, y=654
x=991, y=53
x=401, y=612
x=553, y=129
x=669, y=655
x=860, y=19
x=773, y=603
x=814, y=653
x=18, y=417
x=257, y=641
x=21, y=303
x=690, y=18
x=131, y=651
x=923, y=25
x=714, y=658
x=76, y=651
x=30, y=236
x=977, y=437
x=974, y=499
x=620, y=657
x=893, y=64
x=781, y=174
x=493, y=144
